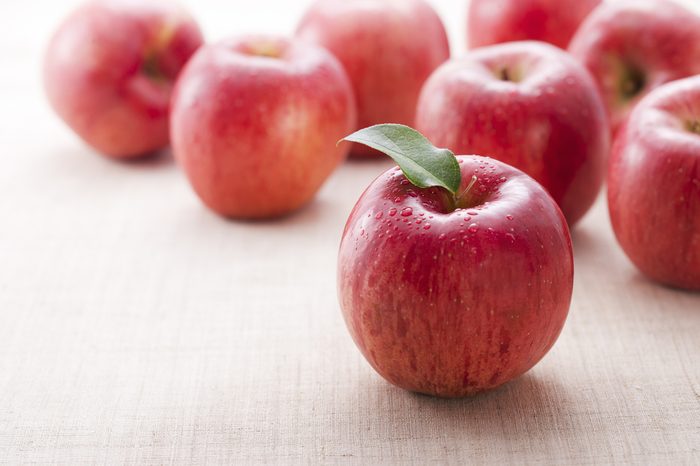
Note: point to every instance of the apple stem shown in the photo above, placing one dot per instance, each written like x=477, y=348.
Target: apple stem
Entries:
x=468, y=188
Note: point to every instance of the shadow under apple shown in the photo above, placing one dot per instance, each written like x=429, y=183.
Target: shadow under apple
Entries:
x=532, y=409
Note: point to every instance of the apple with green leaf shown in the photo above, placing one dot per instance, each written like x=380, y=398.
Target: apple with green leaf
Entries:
x=455, y=274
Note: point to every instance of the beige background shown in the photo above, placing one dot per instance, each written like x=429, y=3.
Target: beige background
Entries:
x=138, y=328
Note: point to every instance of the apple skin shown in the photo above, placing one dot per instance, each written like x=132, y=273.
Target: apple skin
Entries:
x=496, y=21
x=654, y=185
x=546, y=119
x=452, y=303
x=632, y=47
x=255, y=122
x=109, y=70
x=388, y=48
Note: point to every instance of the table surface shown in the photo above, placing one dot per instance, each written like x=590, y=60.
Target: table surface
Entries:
x=138, y=328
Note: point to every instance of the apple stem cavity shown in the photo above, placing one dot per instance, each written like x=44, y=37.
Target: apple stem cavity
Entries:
x=633, y=82
x=151, y=68
x=266, y=49
x=423, y=164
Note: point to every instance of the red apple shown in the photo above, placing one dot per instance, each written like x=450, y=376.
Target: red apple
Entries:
x=530, y=105
x=109, y=71
x=452, y=296
x=255, y=123
x=388, y=48
x=632, y=47
x=654, y=184
x=555, y=21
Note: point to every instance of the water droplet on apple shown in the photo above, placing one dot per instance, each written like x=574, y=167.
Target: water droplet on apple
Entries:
x=407, y=212
x=392, y=211
x=509, y=217
x=427, y=226
x=379, y=215
x=473, y=228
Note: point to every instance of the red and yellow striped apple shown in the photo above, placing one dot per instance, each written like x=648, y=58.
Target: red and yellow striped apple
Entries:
x=654, y=184
x=496, y=21
x=255, y=122
x=528, y=104
x=388, y=48
x=110, y=68
x=453, y=294
x=631, y=47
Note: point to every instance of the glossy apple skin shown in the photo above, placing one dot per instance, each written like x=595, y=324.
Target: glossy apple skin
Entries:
x=109, y=70
x=654, y=185
x=632, y=47
x=496, y=21
x=548, y=120
x=454, y=303
x=388, y=48
x=255, y=123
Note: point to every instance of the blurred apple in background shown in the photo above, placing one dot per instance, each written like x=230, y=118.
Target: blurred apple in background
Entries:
x=109, y=71
x=452, y=293
x=528, y=104
x=555, y=21
x=388, y=47
x=255, y=123
x=632, y=47
x=654, y=185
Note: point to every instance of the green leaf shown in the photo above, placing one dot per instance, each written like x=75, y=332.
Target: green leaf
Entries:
x=423, y=164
